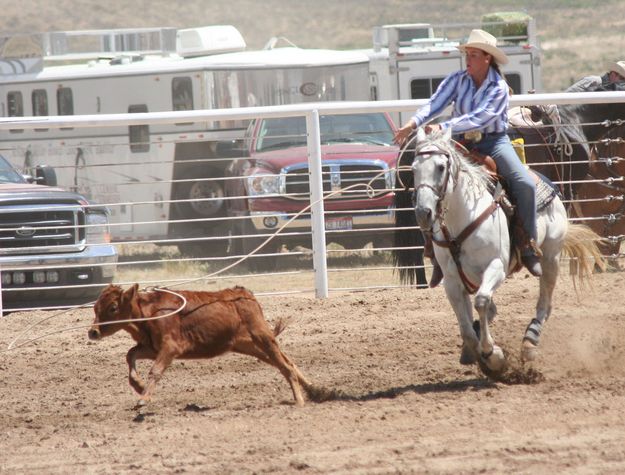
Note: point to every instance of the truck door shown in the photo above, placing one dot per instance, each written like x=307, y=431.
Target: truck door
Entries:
x=418, y=78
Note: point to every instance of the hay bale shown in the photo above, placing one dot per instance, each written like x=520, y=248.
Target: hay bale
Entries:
x=507, y=24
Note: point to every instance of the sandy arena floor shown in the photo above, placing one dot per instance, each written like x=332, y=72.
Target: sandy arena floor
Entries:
x=404, y=403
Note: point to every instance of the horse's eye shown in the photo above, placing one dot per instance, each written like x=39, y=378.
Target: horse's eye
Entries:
x=113, y=308
x=440, y=168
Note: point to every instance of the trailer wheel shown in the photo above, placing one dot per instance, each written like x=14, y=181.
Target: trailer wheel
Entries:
x=206, y=196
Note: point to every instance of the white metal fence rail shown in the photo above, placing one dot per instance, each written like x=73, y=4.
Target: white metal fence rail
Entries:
x=312, y=113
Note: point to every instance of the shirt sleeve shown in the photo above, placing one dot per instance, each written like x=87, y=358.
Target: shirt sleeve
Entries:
x=444, y=95
x=589, y=83
x=492, y=106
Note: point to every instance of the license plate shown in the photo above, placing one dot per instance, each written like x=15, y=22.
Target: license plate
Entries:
x=338, y=224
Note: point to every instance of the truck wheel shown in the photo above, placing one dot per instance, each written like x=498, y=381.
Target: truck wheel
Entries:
x=196, y=192
x=248, y=244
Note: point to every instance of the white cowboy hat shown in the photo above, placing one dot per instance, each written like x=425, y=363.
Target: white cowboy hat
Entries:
x=617, y=67
x=486, y=42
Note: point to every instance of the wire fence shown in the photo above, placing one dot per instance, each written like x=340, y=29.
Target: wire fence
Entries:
x=190, y=204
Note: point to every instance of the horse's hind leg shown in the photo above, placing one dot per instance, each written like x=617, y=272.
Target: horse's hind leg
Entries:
x=529, y=347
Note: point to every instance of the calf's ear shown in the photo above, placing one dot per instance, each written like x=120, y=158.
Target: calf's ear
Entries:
x=131, y=294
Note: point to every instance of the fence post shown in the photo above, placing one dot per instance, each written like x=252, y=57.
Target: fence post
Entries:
x=320, y=263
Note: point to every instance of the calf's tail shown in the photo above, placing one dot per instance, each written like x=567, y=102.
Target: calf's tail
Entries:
x=280, y=326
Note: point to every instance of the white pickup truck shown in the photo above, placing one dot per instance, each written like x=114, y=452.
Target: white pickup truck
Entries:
x=54, y=244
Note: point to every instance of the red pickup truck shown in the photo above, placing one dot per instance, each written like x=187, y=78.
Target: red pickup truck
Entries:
x=274, y=183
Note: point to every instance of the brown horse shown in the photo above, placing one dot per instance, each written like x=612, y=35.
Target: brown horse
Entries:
x=600, y=200
x=561, y=149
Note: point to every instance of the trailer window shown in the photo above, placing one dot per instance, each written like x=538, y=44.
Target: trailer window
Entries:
x=16, y=104
x=424, y=88
x=15, y=108
x=514, y=81
x=182, y=94
x=138, y=135
x=64, y=101
x=40, y=102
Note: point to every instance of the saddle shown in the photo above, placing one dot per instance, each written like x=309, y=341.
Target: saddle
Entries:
x=546, y=191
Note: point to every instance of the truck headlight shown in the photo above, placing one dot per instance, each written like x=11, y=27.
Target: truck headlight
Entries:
x=97, y=228
x=263, y=184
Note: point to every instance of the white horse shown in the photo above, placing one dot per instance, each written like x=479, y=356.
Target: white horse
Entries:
x=472, y=244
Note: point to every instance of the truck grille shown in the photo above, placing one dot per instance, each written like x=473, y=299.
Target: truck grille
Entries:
x=29, y=229
x=339, y=176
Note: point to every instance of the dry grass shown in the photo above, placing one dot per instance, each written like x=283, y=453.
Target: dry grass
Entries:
x=578, y=36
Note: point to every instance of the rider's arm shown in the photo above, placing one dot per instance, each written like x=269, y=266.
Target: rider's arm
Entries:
x=492, y=108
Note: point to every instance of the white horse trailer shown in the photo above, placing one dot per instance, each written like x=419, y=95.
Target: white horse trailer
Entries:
x=165, y=181
x=409, y=61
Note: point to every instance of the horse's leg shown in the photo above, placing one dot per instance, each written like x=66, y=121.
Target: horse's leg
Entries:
x=461, y=303
x=529, y=347
x=494, y=275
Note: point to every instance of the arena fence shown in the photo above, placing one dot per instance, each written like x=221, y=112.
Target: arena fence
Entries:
x=359, y=263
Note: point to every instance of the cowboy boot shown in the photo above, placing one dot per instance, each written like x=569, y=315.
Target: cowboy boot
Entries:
x=531, y=259
x=428, y=251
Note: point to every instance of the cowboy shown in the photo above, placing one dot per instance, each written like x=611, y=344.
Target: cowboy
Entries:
x=616, y=73
x=480, y=97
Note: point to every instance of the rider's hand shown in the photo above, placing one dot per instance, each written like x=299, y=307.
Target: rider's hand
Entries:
x=432, y=128
x=402, y=134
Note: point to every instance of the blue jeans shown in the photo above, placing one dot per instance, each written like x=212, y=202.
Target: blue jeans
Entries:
x=521, y=184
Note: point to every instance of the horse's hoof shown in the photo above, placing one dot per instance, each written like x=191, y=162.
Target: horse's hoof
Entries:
x=467, y=356
x=496, y=361
x=529, y=351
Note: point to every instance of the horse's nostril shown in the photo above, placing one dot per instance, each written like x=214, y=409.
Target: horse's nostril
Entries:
x=94, y=334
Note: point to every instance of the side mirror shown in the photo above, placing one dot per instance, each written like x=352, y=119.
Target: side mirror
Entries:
x=45, y=175
x=232, y=149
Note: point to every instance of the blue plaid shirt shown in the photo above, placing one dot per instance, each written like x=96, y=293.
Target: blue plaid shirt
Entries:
x=484, y=109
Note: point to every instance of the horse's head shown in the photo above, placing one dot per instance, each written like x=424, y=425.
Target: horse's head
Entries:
x=431, y=171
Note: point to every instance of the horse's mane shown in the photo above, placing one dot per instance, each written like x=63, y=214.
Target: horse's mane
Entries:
x=474, y=172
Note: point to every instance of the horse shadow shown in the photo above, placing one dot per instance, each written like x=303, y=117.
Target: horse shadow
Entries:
x=320, y=394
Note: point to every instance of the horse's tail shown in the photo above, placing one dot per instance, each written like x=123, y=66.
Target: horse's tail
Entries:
x=581, y=244
x=408, y=262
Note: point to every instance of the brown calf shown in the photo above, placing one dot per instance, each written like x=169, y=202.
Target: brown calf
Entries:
x=210, y=324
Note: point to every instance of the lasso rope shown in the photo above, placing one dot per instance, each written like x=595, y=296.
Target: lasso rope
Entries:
x=13, y=346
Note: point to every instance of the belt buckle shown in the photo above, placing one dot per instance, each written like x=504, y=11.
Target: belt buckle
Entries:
x=473, y=136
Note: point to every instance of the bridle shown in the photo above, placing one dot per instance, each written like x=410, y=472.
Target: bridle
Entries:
x=442, y=190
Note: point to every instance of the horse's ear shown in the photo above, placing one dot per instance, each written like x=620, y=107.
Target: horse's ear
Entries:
x=420, y=134
x=447, y=134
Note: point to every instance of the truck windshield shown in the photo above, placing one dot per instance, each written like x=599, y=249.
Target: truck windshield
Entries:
x=8, y=173
x=287, y=132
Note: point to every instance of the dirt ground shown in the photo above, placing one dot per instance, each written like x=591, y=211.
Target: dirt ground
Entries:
x=403, y=404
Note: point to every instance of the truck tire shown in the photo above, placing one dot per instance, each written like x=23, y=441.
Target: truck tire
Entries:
x=215, y=208
x=198, y=190
x=246, y=245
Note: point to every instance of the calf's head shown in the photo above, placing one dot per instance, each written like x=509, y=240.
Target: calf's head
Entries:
x=114, y=304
